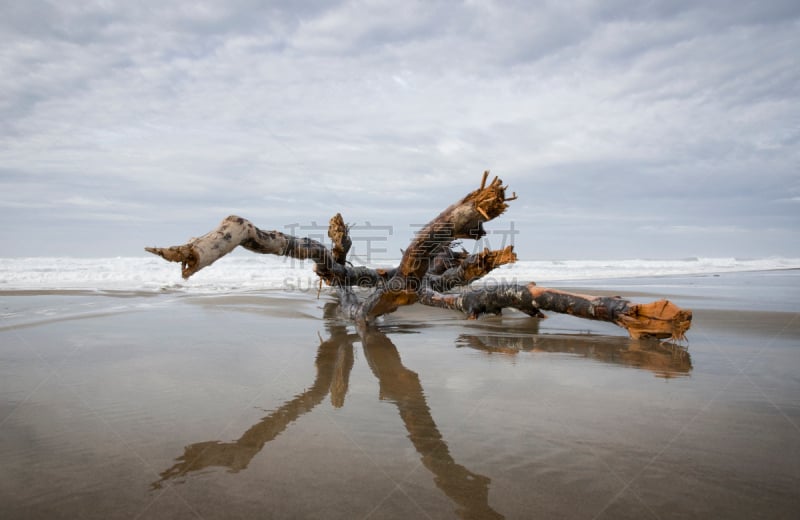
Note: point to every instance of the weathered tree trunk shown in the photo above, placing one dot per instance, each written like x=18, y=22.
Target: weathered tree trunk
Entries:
x=429, y=270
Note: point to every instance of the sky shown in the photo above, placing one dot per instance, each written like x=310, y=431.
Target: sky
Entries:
x=627, y=128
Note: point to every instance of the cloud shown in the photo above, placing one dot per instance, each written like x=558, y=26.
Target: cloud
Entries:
x=592, y=112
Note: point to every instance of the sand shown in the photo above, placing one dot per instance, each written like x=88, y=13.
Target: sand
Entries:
x=267, y=405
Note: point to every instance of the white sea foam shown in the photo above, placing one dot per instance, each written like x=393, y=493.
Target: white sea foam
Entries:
x=248, y=273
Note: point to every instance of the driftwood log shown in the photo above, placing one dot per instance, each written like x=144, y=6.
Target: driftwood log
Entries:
x=430, y=272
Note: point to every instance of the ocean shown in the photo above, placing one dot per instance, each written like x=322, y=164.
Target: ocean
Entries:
x=261, y=272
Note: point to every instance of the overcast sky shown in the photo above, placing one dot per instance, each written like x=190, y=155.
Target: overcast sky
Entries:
x=628, y=129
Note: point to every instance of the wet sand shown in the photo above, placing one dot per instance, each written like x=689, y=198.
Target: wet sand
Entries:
x=267, y=405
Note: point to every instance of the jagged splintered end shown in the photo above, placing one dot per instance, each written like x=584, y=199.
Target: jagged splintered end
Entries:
x=487, y=261
x=661, y=319
x=181, y=254
x=341, y=242
x=500, y=257
x=489, y=200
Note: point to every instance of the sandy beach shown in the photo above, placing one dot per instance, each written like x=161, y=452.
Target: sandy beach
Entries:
x=266, y=404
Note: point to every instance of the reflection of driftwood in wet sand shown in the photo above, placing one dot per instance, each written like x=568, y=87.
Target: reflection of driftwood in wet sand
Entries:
x=334, y=361
x=402, y=387
x=470, y=491
x=664, y=359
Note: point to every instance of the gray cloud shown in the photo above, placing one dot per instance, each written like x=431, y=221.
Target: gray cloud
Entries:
x=627, y=128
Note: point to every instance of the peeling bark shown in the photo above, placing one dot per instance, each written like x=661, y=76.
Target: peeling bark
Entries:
x=429, y=270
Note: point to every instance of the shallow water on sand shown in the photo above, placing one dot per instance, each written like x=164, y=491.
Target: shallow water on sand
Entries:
x=269, y=405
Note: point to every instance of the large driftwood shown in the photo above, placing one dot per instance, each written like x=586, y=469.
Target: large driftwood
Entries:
x=430, y=270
